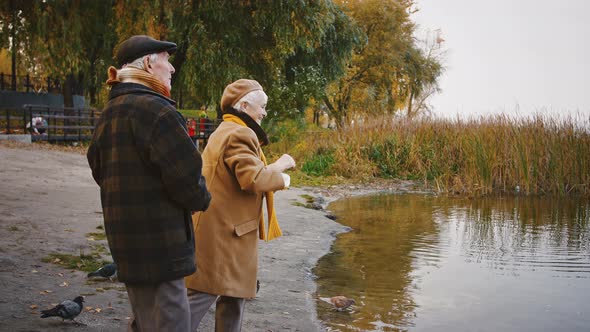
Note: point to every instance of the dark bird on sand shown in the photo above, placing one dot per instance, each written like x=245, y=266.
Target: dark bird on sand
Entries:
x=108, y=271
x=66, y=310
x=339, y=302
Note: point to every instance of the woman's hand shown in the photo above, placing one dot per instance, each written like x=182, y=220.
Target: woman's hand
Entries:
x=283, y=163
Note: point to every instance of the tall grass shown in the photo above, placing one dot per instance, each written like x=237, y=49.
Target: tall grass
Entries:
x=535, y=155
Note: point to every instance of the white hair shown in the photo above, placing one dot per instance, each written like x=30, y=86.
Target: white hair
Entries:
x=138, y=63
x=250, y=98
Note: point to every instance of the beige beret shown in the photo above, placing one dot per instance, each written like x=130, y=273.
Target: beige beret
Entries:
x=235, y=91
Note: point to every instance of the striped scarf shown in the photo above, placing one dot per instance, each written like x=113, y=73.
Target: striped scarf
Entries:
x=134, y=75
x=274, y=230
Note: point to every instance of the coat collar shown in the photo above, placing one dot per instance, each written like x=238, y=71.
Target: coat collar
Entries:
x=120, y=89
x=262, y=137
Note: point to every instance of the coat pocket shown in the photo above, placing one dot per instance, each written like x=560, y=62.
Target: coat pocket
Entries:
x=246, y=227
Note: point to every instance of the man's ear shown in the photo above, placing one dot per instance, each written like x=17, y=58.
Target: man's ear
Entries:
x=146, y=64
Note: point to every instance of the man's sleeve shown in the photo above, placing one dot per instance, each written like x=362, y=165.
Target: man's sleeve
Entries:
x=174, y=154
x=94, y=160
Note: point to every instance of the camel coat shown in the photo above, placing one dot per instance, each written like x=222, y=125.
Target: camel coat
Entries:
x=226, y=235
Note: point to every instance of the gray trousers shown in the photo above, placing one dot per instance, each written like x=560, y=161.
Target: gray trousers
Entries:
x=229, y=311
x=159, y=307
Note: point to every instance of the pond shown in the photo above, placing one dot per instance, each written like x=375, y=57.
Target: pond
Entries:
x=429, y=263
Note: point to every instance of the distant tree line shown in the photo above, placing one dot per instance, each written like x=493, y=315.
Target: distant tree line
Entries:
x=349, y=57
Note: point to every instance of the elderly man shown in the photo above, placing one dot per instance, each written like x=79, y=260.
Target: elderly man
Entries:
x=149, y=173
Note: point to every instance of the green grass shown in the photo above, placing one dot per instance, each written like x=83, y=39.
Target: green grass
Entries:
x=97, y=235
x=195, y=114
x=82, y=262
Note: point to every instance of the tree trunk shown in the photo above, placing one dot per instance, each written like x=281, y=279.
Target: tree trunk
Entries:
x=316, y=117
x=14, y=43
x=410, y=104
x=67, y=91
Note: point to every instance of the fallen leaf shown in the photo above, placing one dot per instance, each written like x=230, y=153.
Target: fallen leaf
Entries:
x=63, y=284
x=57, y=260
x=33, y=306
x=98, y=309
x=88, y=308
x=90, y=239
x=60, y=274
x=34, y=271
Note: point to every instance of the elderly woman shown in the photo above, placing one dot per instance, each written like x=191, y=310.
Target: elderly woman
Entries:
x=227, y=234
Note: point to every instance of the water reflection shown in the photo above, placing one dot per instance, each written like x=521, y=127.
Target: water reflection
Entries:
x=420, y=262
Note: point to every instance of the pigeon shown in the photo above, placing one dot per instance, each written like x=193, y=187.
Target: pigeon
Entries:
x=66, y=310
x=339, y=302
x=108, y=271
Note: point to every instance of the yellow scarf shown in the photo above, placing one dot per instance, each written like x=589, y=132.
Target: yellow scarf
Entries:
x=274, y=230
x=134, y=75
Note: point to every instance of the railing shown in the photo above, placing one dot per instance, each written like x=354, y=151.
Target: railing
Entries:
x=28, y=83
x=202, y=129
x=51, y=123
x=72, y=124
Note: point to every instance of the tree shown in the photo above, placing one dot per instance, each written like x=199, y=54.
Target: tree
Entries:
x=424, y=68
x=385, y=72
x=294, y=48
x=13, y=27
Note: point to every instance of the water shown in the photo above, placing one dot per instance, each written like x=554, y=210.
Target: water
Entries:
x=425, y=263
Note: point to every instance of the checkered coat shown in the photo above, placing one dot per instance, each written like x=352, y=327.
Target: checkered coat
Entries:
x=149, y=173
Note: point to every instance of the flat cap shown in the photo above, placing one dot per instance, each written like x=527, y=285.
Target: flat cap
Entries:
x=235, y=91
x=140, y=45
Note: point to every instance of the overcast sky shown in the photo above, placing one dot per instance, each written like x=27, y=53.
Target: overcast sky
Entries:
x=504, y=53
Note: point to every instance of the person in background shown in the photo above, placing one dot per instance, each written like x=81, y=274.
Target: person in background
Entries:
x=37, y=126
x=192, y=126
x=149, y=173
x=227, y=233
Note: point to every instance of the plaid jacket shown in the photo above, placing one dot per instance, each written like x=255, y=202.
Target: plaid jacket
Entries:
x=149, y=173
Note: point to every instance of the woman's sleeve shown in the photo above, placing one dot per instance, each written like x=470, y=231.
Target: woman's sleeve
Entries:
x=242, y=158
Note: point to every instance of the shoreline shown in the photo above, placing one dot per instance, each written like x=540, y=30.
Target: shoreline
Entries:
x=49, y=203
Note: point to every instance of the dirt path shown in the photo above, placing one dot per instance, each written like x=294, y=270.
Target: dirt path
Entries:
x=49, y=204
